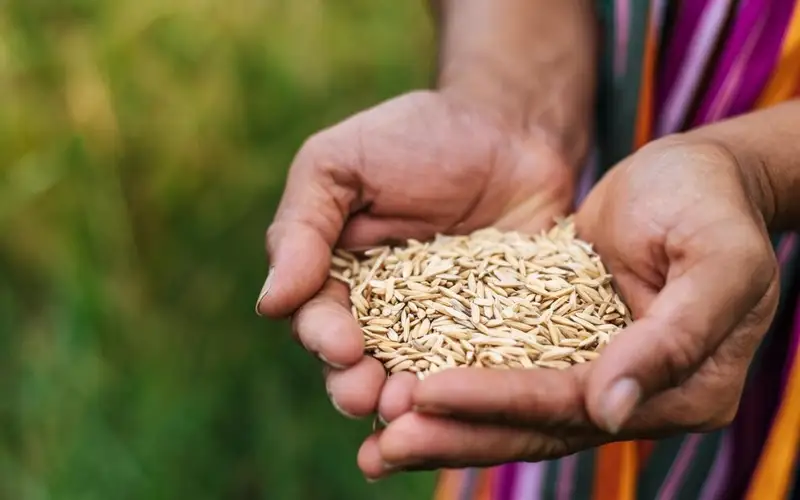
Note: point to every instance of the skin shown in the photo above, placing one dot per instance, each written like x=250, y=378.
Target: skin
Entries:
x=497, y=143
x=672, y=222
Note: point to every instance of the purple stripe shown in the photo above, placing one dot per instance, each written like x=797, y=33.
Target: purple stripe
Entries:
x=470, y=480
x=749, y=59
x=678, y=101
x=715, y=482
x=760, y=401
x=622, y=27
x=504, y=485
x=660, y=15
x=683, y=29
x=748, y=433
x=529, y=481
x=677, y=472
x=565, y=483
x=764, y=58
x=785, y=248
x=747, y=28
x=794, y=348
x=588, y=176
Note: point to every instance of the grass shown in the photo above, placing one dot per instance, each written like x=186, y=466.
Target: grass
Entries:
x=143, y=147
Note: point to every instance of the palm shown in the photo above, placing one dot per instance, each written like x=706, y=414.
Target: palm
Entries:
x=677, y=228
x=664, y=214
x=408, y=168
x=425, y=164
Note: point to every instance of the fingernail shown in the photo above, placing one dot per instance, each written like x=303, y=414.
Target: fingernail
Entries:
x=619, y=403
x=342, y=412
x=371, y=480
x=335, y=404
x=387, y=466
x=264, y=289
x=337, y=366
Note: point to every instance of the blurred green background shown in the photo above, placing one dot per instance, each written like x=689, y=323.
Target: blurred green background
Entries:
x=143, y=147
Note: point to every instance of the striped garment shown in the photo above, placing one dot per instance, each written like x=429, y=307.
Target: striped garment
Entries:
x=666, y=67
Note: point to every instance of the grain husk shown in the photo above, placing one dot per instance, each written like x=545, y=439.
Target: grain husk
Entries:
x=488, y=299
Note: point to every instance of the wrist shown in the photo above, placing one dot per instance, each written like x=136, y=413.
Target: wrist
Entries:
x=530, y=64
x=517, y=113
x=749, y=166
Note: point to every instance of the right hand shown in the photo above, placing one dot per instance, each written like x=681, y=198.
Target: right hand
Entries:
x=416, y=165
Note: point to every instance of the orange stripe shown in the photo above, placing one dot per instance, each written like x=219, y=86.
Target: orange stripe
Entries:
x=615, y=476
x=449, y=484
x=776, y=465
x=772, y=477
x=785, y=80
x=618, y=463
x=483, y=487
x=644, y=117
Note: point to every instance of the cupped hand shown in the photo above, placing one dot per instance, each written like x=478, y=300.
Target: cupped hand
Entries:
x=677, y=226
x=413, y=166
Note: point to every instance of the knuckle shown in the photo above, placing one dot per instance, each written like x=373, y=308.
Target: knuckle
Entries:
x=529, y=447
x=323, y=153
x=711, y=420
x=302, y=321
x=690, y=413
x=518, y=398
x=718, y=421
x=298, y=322
x=533, y=447
x=679, y=355
x=312, y=146
x=273, y=234
x=753, y=253
x=723, y=418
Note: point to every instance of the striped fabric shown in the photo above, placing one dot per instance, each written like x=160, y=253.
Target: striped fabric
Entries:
x=668, y=66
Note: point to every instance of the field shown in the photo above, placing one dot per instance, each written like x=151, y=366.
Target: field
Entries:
x=143, y=147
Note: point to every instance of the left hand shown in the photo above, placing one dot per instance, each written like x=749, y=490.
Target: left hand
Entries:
x=677, y=226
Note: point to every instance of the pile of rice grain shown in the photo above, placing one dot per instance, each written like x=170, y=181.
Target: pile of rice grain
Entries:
x=489, y=299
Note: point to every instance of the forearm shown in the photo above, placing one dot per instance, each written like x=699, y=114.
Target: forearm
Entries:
x=532, y=62
x=767, y=146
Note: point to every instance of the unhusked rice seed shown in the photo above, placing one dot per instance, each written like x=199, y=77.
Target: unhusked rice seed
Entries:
x=488, y=299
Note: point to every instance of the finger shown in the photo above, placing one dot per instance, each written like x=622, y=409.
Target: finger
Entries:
x=320, y=192
x=326, y=327
x=354, y=392
x=708, y=292
x=369, y=458
x=365, y=230
x=541, y=397
x=395, y=397
x=417, y=442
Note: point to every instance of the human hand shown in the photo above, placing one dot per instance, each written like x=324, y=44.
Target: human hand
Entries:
x=422, y=163
x=678, y=227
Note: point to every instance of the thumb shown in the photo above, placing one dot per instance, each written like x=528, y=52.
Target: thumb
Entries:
x=318, y=197
x=701, y=303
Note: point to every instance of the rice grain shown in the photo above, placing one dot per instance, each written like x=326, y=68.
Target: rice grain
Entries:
x=488, y=299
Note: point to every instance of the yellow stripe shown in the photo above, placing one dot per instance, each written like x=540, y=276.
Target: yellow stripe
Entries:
x=616, y=471
x=644, y=119
x=776, y=465
x=449, y=484
x=786, y=76
x=617, y=465
x=773, y=473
